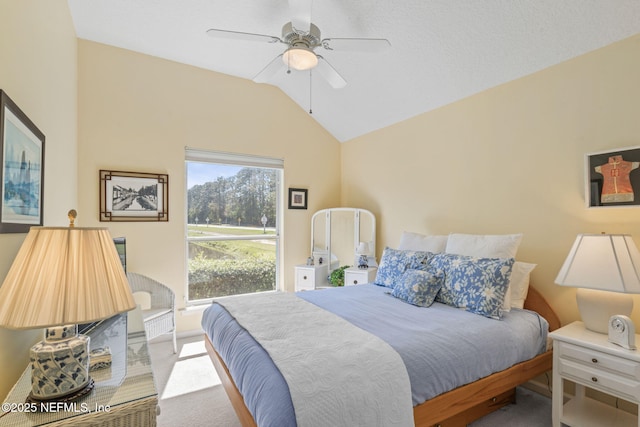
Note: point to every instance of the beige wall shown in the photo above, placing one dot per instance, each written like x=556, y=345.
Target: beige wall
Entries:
x=510, y=159
x=38, y=53
x=137, y=113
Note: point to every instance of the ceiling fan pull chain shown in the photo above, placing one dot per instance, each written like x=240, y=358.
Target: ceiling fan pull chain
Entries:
x=310, y=93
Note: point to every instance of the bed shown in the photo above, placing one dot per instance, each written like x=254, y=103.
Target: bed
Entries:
x=443, y=404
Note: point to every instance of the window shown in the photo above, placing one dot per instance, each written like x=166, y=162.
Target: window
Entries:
x=232, y=231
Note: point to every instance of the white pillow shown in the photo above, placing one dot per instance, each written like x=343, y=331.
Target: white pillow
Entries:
x=420, y=242
x=484, y=246
x=518, y=285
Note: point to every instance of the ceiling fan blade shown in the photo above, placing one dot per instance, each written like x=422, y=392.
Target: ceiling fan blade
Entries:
x=300, y=14
x=330, y=74
x=270, y=70
x=237, y=35
x=356, y=45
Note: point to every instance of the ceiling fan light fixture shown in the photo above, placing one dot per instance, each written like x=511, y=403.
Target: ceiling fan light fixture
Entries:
x=300, y=58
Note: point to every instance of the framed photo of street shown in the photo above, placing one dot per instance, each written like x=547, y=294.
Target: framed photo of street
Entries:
x=133, y=196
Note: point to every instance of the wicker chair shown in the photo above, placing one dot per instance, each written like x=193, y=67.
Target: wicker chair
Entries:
x=160, y=318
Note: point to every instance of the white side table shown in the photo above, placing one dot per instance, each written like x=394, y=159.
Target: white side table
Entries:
x=355, y=275
x=589, y=360
x=309, y=277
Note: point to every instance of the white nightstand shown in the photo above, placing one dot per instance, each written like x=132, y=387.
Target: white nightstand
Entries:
x=589, y=360
x=309, y=277
x=355, y=275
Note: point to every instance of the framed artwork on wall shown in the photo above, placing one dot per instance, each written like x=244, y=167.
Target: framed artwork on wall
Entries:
x=297, y=198
x=613, y=178
x=21, y=169
x=133, y=196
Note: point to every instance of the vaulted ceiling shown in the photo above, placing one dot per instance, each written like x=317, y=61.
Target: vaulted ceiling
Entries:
x=441, y=50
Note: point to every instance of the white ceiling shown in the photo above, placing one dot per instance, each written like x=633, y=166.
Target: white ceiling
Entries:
x=442, y=50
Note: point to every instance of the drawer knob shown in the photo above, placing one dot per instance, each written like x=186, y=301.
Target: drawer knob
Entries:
x=594, y=379
x=304, y=277
x=355, y=282
x=594, y=360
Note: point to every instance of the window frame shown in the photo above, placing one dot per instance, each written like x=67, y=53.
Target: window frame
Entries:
x=241, y=160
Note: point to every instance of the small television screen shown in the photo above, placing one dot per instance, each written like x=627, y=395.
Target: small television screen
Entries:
x=121, y=247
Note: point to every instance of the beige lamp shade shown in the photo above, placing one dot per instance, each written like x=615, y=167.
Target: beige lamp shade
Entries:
x=604, y=268
x=362, y=249
x=64, y=276
x=608, y=262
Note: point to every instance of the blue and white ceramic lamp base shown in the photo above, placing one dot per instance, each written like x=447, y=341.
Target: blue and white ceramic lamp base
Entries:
x=60, y=364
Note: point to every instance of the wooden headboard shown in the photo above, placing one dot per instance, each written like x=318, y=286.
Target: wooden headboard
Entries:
x=536, y=302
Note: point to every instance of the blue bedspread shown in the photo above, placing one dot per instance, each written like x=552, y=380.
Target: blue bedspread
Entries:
x=261, y=384
x=442, y=347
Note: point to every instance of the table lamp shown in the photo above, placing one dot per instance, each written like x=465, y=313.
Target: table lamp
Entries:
x=60, y=277
x=363, y=251
x=606, y=269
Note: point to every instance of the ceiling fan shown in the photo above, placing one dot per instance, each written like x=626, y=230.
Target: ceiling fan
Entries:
x=302, y=38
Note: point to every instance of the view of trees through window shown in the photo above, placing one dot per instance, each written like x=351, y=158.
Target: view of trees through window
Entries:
x=232, y=235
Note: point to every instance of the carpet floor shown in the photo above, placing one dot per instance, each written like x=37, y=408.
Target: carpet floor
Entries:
x=191, y=395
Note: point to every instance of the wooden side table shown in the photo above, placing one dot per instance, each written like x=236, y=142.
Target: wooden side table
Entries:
x=589, y=360
x=124, y=394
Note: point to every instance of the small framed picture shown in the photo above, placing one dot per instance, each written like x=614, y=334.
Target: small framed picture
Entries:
x=133, y=196
x=613, y=178
x=297, y=198
x=21, y=169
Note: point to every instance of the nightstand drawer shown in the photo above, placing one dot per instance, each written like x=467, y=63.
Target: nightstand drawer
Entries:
x=601, y=379
x=305, y=279
x=597, y=360
x=309, y=277
x=359, y=276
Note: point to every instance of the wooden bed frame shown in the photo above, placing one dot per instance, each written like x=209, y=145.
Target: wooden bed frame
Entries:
x=457, y=407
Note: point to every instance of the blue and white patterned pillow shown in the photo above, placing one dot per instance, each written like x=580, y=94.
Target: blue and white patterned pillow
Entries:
x=418, y=287
x=394, y=262
x=476, y=284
